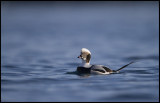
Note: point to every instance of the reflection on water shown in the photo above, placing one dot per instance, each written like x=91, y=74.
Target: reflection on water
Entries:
x=41, y=42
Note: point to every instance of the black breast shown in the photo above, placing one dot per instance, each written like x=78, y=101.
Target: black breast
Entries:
x=83, y=70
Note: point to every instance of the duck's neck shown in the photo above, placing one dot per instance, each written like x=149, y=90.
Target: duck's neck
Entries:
x=85, y=64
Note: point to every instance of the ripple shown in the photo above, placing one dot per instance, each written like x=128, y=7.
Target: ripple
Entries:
x=138, y=71
x=72, y=64
x=153, y=57
x=40, y=65
x=10, y=66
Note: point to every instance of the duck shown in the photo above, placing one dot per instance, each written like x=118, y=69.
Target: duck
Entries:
x=86, y=68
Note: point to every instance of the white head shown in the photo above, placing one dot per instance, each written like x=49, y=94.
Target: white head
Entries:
x=85, y=55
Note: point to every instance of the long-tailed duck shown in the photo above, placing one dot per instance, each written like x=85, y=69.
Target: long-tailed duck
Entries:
x=85, y=67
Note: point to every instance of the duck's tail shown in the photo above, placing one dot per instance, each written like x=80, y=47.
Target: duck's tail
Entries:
x=123, y=67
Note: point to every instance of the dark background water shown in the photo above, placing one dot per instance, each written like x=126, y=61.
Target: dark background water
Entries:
x=41, y=42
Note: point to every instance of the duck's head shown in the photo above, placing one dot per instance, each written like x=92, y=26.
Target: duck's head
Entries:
x=85, y=55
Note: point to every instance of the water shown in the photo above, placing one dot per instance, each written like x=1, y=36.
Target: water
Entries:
x=41, y=42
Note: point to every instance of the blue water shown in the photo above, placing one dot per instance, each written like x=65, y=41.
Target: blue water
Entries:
x=41, y=42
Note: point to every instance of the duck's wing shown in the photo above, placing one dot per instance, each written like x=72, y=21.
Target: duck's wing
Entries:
x=107, y=69
x=100, y=69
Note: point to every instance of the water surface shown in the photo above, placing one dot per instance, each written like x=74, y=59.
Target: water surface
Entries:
x=41, y=42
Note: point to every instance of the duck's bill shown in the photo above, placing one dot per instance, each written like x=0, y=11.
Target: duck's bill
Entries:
x=79, y=57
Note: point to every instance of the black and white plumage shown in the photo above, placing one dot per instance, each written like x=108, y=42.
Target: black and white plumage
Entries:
x=85, y=67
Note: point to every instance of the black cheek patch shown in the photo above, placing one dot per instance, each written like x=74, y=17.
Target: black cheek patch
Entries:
x=88, y=58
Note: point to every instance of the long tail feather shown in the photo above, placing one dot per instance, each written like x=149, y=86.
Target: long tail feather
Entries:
x=123, y=67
